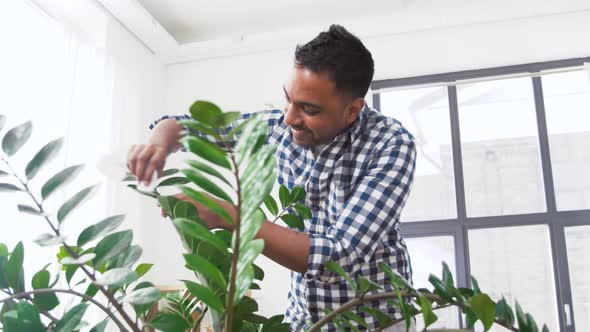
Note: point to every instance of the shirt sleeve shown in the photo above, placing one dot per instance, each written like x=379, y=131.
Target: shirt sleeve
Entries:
x=272, y=117
x=371, y=211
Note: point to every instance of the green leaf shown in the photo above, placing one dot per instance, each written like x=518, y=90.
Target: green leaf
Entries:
x=251, y=139
x=228, y=118
x=46, y=239
x=200, y=232
x=29, y=209
x=271, y=205
x=117, y=277
x=394, y=277
x=9, y=187
x=258, y=272
x=206, y=112
x=240, y=127
x=475, y=286
x=248, y=253
x=243, y=282
x=21, y=317
x=46, y=154
x=207, y=202
x=545, y=328
x=200, y=128
x=129, y=177
x=3, y=276
x=72, y=203
x=250, y=226
x=484, y=308
x=148, y=295
x=4, y=251
x=45, y=302
x=16, y=137
x=354, y=317
x=297, y=194
x=531, y=323
x=102, y=228
x=71, y=319
x=334, y=267
x=83, y=259
x=59, y=179
x=426, y=306
x=142, y=269
x=504, y=312
x=521, y=318
x=111, y=246
x=151, y=194
x=293, y=221
x=173, y=181
x=169, y=322
x=204, y=267
x=141, y=309
x=366, y=285
x=303, y=211
x=2, y=173
x=206, y=184
x=447, y=276
x=382, y=318
x=14, y=269
x=207, y=169
x=440, y=288
x=258, y=179
x=206, y=295
x=284, y=196
x=168, y=172
x=275, y=324
x=100, y=327
x=127, y=258
x=206, y=151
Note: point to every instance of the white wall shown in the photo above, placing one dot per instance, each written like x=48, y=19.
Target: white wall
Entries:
x=430, y=38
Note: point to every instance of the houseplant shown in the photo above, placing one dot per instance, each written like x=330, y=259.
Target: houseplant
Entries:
x=221, y=260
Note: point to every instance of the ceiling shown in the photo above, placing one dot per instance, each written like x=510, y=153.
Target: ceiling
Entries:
x=190, y=21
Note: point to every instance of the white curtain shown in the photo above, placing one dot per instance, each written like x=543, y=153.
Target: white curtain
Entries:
x=59, y=78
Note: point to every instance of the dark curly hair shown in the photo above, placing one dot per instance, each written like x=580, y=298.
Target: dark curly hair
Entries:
x=342, y=56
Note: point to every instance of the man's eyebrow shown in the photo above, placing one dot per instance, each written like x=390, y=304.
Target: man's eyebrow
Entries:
x=303, y=103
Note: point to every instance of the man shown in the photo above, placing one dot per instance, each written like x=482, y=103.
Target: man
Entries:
x=356, y=165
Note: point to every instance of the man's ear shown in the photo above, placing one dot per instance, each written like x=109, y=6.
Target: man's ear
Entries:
x=353, y=109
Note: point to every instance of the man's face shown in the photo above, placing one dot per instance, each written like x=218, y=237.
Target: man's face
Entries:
x=315, y=111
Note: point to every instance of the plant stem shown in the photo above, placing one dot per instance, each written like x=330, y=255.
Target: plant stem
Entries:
x=382, y=296
x=236, y=251
x=30, y=299
x=73, y=254
x=68, y=291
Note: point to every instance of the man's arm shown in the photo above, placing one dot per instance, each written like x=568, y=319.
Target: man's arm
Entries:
x=285, y=246
x=145, y=159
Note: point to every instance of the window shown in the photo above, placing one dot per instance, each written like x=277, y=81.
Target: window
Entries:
x=501, y=189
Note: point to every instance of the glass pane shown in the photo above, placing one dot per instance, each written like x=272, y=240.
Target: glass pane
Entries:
x=425, y=113
x=427, y=255
x=515, y=262
x=567, y=105
x=578, y=245
x=500, y=148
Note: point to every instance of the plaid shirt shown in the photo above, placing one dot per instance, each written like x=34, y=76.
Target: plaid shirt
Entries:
x=356, y=187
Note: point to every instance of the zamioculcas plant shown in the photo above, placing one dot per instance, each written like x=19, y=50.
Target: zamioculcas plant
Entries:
x=100, y=263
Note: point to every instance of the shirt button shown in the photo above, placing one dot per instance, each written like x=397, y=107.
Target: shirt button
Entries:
x=315, y=208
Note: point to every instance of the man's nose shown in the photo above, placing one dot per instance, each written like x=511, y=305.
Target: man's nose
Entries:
x=292, y=116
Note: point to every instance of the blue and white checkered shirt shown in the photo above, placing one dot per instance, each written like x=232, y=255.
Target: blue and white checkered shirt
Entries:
x=356, y=187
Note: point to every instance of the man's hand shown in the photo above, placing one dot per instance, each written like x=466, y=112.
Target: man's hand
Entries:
x=144, y=160
x=212, y=219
